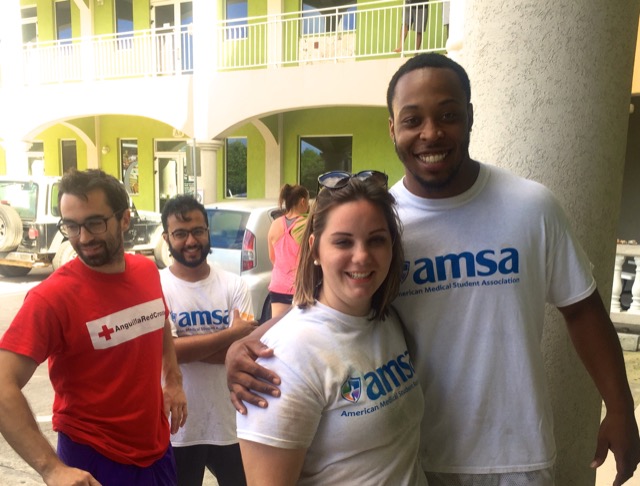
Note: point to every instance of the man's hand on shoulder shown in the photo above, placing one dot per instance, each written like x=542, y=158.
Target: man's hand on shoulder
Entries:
x=244, y=375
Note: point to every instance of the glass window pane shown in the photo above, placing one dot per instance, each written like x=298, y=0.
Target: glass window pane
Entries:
x=129, y=164
x=328, y=19
x=236, y=165
x=237, y=13
x=29, y=33
x=54, y=210
x=21, y=195
x=322, y=154
x=29, y=24
x=69, y=155
x=226, y=228
x=186, y=13
x=63, y=20
x=164, y=16
x=28, y=12
x=171, y=146
x=124, y=16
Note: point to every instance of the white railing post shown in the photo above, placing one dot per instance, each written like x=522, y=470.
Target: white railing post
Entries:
x=635, y=290
x=616, y=289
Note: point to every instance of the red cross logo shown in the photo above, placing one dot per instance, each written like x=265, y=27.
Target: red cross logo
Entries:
x=106, y=332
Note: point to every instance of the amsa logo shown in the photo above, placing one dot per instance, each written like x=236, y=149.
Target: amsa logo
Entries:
x=215, y=318
x=388, y=377
x=466, y=264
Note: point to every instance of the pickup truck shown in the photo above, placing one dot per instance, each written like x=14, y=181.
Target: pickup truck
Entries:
x=29, y=236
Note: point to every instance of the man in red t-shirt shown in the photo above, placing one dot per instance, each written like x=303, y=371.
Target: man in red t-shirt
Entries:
x=101, y=321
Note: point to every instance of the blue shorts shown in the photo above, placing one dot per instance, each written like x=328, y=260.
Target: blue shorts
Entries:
x=111, y=473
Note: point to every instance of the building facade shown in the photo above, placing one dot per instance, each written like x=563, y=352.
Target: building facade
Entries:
x=228, y=98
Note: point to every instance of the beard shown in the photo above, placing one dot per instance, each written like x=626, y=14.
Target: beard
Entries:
x=180, y=258
x=106, y=253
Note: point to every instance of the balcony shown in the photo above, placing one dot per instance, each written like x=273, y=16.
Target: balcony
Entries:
x=331, y=35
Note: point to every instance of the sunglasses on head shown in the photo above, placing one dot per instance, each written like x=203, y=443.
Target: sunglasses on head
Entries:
x=337, y=179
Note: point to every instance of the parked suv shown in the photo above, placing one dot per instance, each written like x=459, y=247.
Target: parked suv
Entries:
x=238, y=231
x=29, y=236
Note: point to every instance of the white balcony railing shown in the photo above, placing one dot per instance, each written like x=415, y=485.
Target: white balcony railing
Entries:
x=152, y=52
x=629, y=318
x=368, y=30
x=341, y=34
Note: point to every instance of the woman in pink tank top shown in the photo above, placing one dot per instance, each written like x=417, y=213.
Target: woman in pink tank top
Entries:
x=284, y=245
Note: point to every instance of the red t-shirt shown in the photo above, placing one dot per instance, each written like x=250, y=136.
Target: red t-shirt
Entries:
x=103, y=335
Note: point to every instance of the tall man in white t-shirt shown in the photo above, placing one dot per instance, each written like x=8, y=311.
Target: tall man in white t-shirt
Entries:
x=485, y=250
x=210, y=309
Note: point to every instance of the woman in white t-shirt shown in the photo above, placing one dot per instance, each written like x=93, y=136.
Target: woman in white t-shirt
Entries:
x=350, y=404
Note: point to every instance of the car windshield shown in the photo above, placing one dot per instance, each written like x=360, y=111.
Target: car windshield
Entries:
x=21, y=196
x=227, y=228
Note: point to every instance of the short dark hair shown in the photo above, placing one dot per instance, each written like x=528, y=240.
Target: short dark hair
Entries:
x=309, y=276
x=423, y=61
x=80, y=183
x=180, y=206
x=290, y=195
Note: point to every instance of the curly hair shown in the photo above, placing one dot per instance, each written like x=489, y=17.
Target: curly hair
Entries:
x=81, y=183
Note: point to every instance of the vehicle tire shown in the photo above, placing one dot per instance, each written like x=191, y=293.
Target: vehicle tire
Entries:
x=161, y=250
x=266, y=310
x=64, y=254
x=10, y=228
x=11, y=271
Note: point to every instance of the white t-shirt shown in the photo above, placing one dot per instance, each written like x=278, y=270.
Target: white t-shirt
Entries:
x=349, y=394
x=205, y=307
x=479, y=269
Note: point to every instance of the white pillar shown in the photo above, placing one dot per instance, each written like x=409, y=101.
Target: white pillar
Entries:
x=16, y=155
x=551, y=81
x=205, y=63
x=208, y=180
x=273, y=158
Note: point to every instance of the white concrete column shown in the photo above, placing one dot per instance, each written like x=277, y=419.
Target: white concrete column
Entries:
x=551, y=82
x=208, y=180
x=11, y=54
x=273, y=158
x=455, y=41
x=274, y=33
x=205, y=62
x=17, y=160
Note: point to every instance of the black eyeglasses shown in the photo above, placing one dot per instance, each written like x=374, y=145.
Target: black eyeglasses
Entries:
x=95, y=226
x=183, y=234
x=337, y=179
